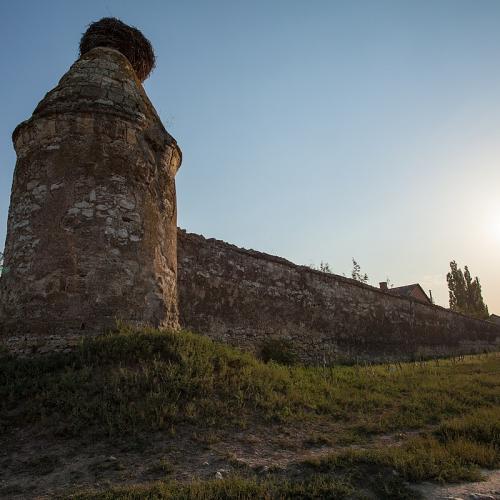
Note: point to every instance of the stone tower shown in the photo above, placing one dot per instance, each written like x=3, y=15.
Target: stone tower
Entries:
x=91, y=234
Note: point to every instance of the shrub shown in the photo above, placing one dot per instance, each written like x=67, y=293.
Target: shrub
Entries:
x=279, y=350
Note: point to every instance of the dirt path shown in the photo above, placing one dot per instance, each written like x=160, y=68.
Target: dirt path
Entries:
x=484, y=490
x=271, y=448
x=37, y=467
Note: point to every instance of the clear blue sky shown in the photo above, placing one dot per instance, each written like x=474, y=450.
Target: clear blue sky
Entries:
x=314, y=130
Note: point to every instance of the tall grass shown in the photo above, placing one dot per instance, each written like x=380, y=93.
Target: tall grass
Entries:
x=145, y=380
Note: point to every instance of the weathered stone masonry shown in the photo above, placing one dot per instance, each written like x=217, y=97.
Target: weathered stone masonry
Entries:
x=92, y=238
x=91, y=234
x=244, y=297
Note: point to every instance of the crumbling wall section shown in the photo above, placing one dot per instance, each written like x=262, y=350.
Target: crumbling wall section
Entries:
x=244, y=297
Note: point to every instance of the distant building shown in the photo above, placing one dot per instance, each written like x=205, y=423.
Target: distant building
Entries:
x=414, y=291
x=495, y=318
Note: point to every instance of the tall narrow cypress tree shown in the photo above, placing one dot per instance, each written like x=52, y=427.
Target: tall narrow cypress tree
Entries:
x=465, y=293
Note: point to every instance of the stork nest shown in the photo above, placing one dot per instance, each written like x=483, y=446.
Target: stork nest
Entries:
x=113, y=33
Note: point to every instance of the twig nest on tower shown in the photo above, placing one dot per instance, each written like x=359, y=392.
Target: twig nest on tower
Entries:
x=113, y=33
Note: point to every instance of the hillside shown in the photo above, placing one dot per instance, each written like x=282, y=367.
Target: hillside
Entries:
x=139, y=413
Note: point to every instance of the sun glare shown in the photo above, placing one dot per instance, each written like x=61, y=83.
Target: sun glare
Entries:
x=491, y=221
x=492, y=227
x=495, y=229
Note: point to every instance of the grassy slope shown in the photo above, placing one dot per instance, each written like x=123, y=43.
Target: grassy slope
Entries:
x=136, y=382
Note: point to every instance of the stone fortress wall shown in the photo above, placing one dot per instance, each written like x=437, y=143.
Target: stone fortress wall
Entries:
x=92, y=238
x=243, y=297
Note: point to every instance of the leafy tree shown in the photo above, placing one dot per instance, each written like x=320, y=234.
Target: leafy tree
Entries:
x=465, y=293
x=356, y=273
x=324, y=267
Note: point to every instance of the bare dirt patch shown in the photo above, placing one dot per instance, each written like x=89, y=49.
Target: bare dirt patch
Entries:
x=489, y=489
x=32, y=466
